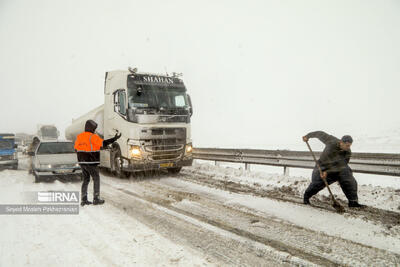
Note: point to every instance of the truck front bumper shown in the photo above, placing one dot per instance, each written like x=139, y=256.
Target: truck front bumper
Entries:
x=9, y=162
x=12, y=163
x=135, y=165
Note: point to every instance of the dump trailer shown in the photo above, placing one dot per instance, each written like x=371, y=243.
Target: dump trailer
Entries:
x=152, y=113
x=8, y=153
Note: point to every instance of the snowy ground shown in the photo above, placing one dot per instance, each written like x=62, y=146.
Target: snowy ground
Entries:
x=377, y=190
x=207, y=215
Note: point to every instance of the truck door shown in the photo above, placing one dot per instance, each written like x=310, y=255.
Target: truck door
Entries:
x=112, y=124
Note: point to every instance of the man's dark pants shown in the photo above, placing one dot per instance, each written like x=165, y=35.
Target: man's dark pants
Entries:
x=87, y=171
x=346, y=181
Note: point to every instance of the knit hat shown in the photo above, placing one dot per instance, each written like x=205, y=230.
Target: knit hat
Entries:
x=347, y=139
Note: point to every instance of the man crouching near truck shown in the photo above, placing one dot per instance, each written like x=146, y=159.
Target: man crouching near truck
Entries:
x=334, y=162
x=88, y=146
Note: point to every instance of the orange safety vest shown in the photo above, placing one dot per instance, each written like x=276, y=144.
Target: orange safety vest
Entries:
x=88, y=142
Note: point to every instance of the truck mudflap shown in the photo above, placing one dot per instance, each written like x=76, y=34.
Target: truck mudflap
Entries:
x=143, y=166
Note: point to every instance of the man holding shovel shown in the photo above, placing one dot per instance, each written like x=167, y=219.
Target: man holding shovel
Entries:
x=334, y=166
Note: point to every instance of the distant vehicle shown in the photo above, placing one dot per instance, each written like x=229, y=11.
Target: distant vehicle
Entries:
x=55, y=159
x=23, y=140
x=152, y=112
x=8, y=153
x=47, y=132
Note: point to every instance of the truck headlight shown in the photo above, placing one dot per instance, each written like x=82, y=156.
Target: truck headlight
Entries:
x=135, y=152
x=189, y=148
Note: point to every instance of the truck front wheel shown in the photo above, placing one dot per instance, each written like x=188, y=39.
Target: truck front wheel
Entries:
x=116, y=164
x=174, y=170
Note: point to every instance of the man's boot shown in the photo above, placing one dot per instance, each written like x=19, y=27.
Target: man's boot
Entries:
x=85, y=201
x=355, y=204
x=98, y=201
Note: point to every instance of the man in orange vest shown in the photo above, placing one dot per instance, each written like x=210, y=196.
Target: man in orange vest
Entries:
x=87, y=145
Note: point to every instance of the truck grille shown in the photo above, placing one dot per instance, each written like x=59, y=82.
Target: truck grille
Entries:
x=164, y=143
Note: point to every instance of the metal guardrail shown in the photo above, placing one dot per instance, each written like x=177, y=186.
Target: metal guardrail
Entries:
x=371, y=163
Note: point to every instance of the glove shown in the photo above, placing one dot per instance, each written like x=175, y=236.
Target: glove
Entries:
x=117, y=136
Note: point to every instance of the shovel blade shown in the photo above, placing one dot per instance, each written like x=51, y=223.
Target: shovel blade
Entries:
x=339, y=208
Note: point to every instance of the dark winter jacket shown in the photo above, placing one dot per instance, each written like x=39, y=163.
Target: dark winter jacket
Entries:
x=93, y=142
x=332, y=159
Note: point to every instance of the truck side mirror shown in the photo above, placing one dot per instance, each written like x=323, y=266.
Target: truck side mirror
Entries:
x=190, y=106
x=30, y=153
x=122, y=102
x=117, y=107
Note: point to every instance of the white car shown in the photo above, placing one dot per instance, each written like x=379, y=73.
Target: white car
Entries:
x=55, y=160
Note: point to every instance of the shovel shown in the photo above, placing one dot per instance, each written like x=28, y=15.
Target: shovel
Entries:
x=335, y=204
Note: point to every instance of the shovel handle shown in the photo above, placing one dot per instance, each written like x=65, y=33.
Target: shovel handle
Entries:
x=320, y=172
x=315, y=159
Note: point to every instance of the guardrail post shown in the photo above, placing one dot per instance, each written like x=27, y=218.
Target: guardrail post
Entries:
x=247, y=166
x=286, y=170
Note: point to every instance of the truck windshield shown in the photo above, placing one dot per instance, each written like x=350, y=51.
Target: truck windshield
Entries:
x=6, y=144
x=56, y=148
x=149, y=96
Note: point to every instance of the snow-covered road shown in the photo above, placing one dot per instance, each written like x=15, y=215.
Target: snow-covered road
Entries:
x=98, y=236
x=206, y=215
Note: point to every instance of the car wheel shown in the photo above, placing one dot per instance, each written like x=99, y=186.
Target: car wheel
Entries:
x=37, y=178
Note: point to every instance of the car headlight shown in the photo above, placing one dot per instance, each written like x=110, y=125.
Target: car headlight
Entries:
x=188, y=148
x=135, y=152
x=76, y=165
x=45, y=166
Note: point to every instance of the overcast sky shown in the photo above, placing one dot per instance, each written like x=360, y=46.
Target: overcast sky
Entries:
x=260, y=73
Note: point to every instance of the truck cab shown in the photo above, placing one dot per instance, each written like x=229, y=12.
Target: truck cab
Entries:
x=47, y=132
x=152, y=112
x=8, y=152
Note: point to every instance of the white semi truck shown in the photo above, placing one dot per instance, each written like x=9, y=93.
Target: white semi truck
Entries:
x=152, y=112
